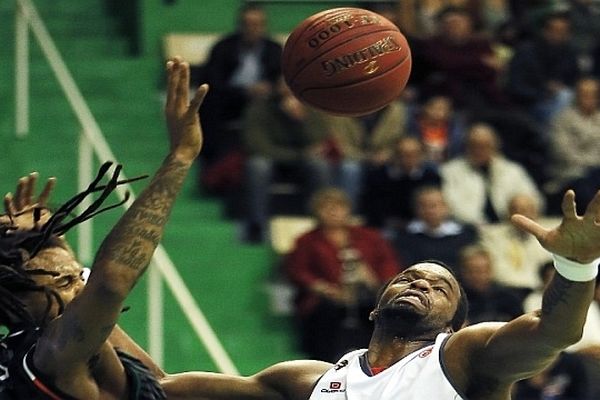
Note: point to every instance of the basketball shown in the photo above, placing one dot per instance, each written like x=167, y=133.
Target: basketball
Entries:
x=346, y=61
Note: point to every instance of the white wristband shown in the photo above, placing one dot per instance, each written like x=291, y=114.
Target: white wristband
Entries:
x=575, y=271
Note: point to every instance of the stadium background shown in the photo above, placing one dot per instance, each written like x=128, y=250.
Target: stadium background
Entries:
x=113, y=49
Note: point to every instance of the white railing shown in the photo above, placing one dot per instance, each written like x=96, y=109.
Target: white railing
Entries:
x=92, y=142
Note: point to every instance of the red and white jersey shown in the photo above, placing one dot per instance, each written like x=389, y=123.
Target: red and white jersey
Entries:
x=420, y=375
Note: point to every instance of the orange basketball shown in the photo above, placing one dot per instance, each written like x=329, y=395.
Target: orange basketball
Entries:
x=346, y=61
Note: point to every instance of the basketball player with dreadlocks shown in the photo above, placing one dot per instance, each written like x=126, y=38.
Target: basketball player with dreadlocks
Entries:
x=59, y=342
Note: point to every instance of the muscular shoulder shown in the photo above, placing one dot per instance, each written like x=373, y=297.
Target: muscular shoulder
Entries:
x=460, y=351
x=293, y=379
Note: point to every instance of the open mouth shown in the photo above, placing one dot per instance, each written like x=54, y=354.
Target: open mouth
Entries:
x=412, y=296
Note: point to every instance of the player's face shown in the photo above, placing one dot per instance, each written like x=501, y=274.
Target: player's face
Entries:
x=425, y=293
x=59, y=271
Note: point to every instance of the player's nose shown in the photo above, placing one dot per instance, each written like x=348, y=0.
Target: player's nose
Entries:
x=421, y=284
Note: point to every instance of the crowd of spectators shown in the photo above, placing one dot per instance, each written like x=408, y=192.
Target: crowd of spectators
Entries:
x=501, y=115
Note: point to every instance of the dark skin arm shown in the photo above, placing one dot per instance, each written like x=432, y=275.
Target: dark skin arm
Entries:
x=286, y=380
x=81, y=331
x=500, y=354
x=291, y=380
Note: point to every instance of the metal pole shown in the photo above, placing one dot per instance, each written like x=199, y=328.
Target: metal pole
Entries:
x=155, y=315
x=21, y=72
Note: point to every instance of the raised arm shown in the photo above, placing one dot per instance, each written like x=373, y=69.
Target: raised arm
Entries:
x=507, y=352
x=87, y=321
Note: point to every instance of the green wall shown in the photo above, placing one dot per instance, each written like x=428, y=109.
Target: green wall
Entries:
x=159, y=18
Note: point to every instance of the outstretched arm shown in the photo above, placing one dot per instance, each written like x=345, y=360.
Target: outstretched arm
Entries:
x=529, y=343
x=125, y=253
x=290, y=380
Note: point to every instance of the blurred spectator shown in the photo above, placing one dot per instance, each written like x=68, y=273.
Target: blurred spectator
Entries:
x=457, y=62
x=591, y=360
x=479, y=185
x=337, y=269
x=544, y=69
x=516, y=255
x=529, y=15
x=488, y=299
x=433, y=234
x=283, y=139
x=585, y=22
x=241, y=67
x=419, y=16
x=564, y=379
x=389, y=188
x=363, y=141
x=523, y=139
x=575, y=146
x=439, y=127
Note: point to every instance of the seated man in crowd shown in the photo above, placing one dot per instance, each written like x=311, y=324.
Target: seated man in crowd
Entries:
x=283, y=139
x=242, y=66
x=479, y=185
x=390, y=187
x=488, y=299
x=575, y=144
x=515, y=255
x=433, y=233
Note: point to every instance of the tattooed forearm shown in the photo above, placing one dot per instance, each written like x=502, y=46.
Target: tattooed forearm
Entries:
x=556, y=293
x=564, y=309
x=134, y=238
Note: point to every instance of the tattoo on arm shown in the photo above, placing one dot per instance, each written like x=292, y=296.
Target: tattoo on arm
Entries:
x=555, y=294
x=139, y=231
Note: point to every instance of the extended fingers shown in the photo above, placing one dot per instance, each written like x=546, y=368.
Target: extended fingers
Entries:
x=568, y=206
x=43, y=197
x=172, y=80
x=178, y=84
x=528, y=225
x=29, y=190
x=24, y=192
x=198, y=98
x=183, y=84
x=9, y=205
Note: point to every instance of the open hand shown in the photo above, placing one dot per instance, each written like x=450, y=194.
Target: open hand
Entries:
x=19, y=206
x=577, y=237
x=183, y=122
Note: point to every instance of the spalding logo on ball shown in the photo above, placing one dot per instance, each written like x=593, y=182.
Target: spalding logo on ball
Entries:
x=346, y=61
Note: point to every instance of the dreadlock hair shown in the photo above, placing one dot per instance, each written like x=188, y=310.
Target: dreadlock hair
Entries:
x=18, y=246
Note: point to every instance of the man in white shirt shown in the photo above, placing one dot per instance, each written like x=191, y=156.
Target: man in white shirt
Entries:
x=479, y=185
